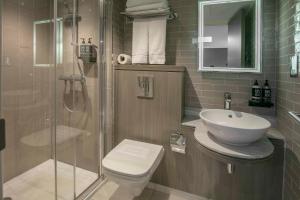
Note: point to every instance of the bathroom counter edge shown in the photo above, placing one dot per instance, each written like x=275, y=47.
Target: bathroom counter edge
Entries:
x=147, y=67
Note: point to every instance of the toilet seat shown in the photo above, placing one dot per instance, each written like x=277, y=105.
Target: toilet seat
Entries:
x=133, y=160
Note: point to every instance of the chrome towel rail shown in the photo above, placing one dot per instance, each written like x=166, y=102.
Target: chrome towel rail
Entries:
x=172, y=15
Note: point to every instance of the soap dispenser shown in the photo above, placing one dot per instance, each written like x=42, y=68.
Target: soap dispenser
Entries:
x=88, y=52
x=267, y=92
x=256, y=92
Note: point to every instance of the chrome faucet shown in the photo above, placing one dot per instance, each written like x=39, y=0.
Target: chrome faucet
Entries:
x=227, y=101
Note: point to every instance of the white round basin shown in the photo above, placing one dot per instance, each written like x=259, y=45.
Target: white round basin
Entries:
x=234, y=128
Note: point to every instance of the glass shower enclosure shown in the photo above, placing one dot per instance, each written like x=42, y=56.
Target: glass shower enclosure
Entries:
x=52, y=69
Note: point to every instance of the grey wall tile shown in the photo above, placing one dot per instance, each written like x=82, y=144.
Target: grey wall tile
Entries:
x=288, y=98
x=25, y=90
x=205, y=90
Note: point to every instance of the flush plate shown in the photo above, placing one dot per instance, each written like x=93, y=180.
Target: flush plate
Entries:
x=144, y=86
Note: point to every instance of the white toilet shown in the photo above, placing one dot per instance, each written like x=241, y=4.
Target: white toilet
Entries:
x=131, y=165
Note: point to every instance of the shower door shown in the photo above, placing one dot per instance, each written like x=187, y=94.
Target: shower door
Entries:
x=50, y=97
x=77, y=96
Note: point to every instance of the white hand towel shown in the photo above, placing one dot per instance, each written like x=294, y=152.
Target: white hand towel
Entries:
x=153, y=6
x=133, y=3
x=157, y=40
x=140, y=41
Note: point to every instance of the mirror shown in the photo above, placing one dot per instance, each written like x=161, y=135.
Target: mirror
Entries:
x=230, y=35
x=42, y=42
x=294, y=59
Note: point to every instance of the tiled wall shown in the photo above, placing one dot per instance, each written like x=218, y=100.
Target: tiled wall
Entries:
x=25, y=90
x=118, y=26
x=206, y=90
x=288, y=98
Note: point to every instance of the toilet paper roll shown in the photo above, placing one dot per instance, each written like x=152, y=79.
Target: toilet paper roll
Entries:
x=124, y=59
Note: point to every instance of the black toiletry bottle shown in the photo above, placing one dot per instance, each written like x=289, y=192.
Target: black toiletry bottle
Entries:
x=256, y=92
x=267, y=92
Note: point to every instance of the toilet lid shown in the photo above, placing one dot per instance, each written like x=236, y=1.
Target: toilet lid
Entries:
x=132, y=158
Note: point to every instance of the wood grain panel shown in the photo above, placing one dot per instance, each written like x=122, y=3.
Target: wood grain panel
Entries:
x=151, y=120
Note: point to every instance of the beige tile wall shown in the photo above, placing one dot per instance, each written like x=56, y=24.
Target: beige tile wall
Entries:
x=26, y=92
x=288, y=98
x=206, y=90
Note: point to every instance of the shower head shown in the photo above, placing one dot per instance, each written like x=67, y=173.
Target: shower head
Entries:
x=68, y=18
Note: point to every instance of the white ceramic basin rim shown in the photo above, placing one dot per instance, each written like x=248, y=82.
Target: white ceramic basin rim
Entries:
x=236, y=128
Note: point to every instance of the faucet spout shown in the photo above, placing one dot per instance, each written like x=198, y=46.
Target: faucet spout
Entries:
x=227, y=101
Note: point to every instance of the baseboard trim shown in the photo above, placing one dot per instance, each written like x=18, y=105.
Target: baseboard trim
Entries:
x=171, y=191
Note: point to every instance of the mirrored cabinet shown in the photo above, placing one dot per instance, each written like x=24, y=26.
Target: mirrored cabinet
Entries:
x=230, y=36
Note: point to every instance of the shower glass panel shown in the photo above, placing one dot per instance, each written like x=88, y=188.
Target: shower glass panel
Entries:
x=27, y=102
x=77, y=108
x=50, y=97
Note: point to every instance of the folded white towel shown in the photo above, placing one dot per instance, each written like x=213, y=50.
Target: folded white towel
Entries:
x=133, y=3
x=153, y=6
x=140, y=41
x=157, y=40
x=149, y=39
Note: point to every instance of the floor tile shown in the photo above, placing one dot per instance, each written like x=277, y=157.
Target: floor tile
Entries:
x=39, y=183
x=109, y=191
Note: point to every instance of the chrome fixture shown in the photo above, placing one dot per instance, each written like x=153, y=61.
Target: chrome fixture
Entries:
x=230, y=168
x=145, y=86
x=227, y=101
x=71, y=79
x=171, y=15
x=295, y=116
x=178, y=142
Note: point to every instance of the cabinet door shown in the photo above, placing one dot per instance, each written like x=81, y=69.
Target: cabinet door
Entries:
x=148, y=119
